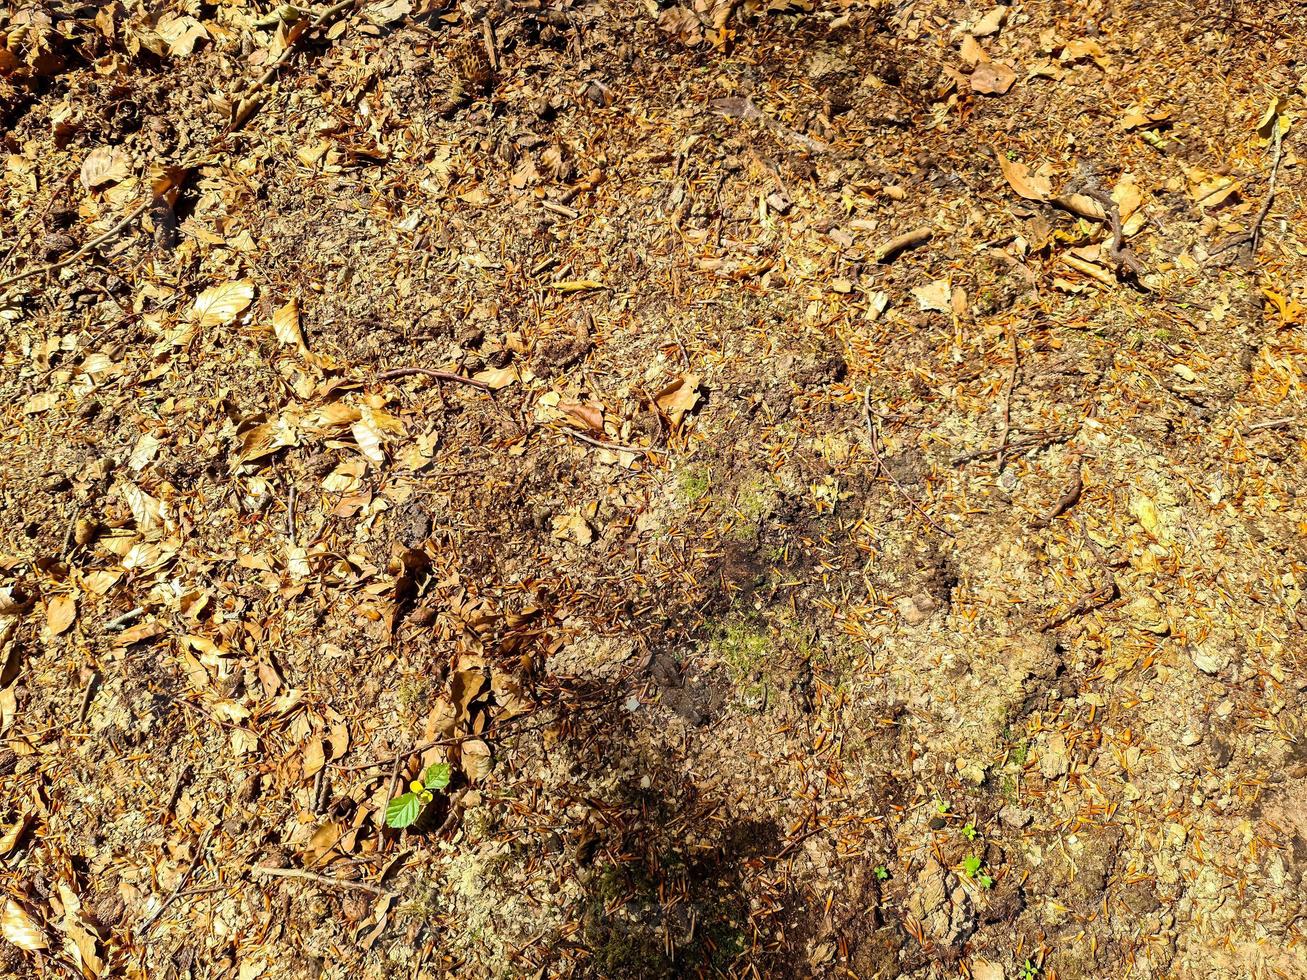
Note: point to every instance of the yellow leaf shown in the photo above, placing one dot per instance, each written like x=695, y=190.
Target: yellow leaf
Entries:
x=21, y=929
x=286, y=324
x=222, y=304
x=575, y=285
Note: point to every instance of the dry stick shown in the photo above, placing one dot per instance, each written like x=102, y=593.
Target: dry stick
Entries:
x=252, y=98
x=902, y=243
x=358, y=886
x=405, y=372
x=614, y=446
x=78, y=253
x=882, y=468
x=1119, y=253
x=1255, y=235
x=120, y=623
x=1007, y=396
x=1047, y=439
x=181, y=882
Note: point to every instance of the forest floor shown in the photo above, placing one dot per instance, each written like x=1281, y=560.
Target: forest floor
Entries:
x=855, y=527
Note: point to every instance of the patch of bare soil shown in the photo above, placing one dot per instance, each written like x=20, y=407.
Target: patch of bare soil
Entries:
x=686, y=489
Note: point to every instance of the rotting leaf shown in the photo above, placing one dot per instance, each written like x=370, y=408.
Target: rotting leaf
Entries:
x=476, y=759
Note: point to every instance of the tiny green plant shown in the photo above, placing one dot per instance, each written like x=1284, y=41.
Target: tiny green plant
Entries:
x=404, y=810
x=942, y=807
x=882, y=873
x=971, y=865
x=969, y=831
x=984, y=880
x=1029, y=971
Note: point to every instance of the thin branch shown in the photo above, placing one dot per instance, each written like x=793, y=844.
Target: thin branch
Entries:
x=614, y=446
x=1007, y=395
x=181, y=882
x=78, y=253
x=405, y=372
x=1255, y=235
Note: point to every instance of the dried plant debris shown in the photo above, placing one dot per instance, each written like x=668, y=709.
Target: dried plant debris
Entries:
x=687, y=489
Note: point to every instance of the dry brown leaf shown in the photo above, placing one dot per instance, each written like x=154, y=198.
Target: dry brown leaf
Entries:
x=180, y=34
x=992, y=78
x=223, y=303
x=1085, y=48
x=105, y=165
x=315, y=757
x=286, y=324
x=498, y=378
x=149, y=512
x=266, y=439
x=991, y=22
x=589, y=415
x=21, y=929
x=476, y=759
x=1083, y=205
x=60, y=613
x=9, y=842
x=679, y=397
x=1033, y=187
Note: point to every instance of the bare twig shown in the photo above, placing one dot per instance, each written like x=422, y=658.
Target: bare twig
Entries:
x=1121, y=255
x=1255, y=233
x=120, y=623
x=92, y=685
x=1066, y=501
x=1039, y=441
x=1007, y=395
x=901, y=243
x=290, y=516
x=873, y=440
x=72, y=256
x=358, y=886
x=614, y=446
x=1269, y=424
x=404, y=372
x=181, y=882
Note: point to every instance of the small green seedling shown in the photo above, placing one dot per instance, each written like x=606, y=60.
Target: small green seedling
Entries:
x=881, y=873
x=942, y=807
x=404, y=810
x=971, y=864
x=1029, y=971
x=969, y=831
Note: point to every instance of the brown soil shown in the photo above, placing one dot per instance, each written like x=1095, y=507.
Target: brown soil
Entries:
x=781, y=608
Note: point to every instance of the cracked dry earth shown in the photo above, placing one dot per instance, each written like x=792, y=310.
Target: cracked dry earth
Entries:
x=782, y=607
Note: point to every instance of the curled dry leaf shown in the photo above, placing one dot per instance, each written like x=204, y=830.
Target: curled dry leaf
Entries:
x=222, y=304
x=1033, y=187
x=1082, y=205
x=476, y=759
x=21, y=929
x=286, y=324
x=679, y=397
x=590, y=415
